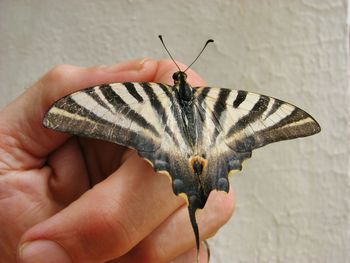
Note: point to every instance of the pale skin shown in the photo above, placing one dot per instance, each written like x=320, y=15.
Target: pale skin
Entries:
x=69, y=199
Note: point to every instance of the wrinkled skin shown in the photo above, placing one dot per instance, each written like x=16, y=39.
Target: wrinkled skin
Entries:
x=84, y=200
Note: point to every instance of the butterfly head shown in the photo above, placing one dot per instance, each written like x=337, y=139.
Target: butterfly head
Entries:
x=179, y=77
x=184, y=89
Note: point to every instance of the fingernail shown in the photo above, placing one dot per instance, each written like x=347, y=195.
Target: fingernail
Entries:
x=144, y=60
x=42, y=250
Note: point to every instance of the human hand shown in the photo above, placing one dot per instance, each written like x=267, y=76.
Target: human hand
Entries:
x=69, y=199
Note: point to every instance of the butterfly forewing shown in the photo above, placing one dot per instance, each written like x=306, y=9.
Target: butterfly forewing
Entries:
x=118, y=112
x=250, y=120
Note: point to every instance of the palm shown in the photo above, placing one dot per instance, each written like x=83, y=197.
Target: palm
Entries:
x=32, y=195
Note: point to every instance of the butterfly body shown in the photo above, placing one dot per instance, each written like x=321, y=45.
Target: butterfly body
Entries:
x=197, y=136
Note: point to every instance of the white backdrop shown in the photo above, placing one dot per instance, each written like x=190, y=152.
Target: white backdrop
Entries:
x=293, y=198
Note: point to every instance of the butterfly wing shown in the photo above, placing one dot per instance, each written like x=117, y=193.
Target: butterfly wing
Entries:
x=130, y=114
x=239, y=122
x=143, y=116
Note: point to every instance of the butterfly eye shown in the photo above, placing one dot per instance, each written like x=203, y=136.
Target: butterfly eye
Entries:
x=179, y=76
x=176, y=76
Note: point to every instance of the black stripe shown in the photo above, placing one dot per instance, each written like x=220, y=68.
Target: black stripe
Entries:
x=278, y=132
x=132, y=90
x=112, y=97
x=242, y=94
x=166, y=90
x=162, y=113
x=220, y=104
x=219, y=108
x=296, y=115
x=68, y=104
x=92, y=93
x=155, y=102
x=157, y=105
x=101, y=130
x=203, y=94
x=275, y=106
x=123, y=108
x=255, y=113
x=172, y=135
x=201, y=98
x=159, y=108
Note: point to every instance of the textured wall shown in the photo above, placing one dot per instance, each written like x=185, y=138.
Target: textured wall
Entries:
x=292, y=197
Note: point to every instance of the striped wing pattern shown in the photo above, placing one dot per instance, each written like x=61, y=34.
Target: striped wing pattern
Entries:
x=250, y=120
x=148, y=117
x=198, y=147
x=118, y=113
x=237, y=122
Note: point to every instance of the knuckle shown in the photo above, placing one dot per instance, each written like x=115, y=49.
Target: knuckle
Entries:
x=60, y=72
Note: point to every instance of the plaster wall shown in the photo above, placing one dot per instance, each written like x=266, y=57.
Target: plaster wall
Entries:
x=293, y=198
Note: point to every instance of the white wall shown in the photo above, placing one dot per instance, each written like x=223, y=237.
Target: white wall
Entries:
x=293, y=197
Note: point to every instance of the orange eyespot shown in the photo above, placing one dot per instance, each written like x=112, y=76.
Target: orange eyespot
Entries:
x=197, y=164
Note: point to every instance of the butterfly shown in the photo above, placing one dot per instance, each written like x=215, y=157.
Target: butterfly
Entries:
x=198, y=136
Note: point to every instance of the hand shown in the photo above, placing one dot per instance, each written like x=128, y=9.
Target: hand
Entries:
x=69, y=199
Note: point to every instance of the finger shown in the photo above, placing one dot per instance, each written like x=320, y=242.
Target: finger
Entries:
x=70, y=177
x=22, y=119
x=188, y=256
x=191, y=255
x=175, y=235
x=110, y=219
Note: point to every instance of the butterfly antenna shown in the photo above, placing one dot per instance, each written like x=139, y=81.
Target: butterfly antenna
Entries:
x=161, y=39
x=205, y=45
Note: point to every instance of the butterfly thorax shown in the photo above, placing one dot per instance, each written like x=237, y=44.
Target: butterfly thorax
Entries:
x=185, y=97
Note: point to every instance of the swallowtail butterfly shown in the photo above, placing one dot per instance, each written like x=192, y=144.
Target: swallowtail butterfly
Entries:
x=198, y=136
